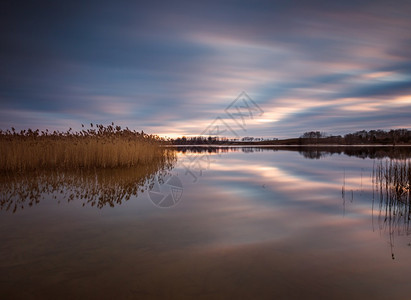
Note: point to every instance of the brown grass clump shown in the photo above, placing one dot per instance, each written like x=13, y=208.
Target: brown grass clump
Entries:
x=97, y=147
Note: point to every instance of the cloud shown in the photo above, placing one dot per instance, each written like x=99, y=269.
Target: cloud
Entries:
x=173, y=67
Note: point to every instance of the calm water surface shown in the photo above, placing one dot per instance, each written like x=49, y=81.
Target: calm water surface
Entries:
x=251, y=223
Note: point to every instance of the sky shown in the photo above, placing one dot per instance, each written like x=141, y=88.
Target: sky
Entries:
x=174, y=67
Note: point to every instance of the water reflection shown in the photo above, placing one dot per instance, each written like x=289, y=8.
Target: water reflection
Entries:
x=110, y=187
x=264, y=224
x=95, y=187
x=309, y=152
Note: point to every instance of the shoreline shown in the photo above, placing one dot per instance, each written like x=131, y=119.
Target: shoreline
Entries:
x=284, y=145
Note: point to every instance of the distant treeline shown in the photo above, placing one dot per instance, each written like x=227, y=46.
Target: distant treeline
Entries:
x=363, y=137
x=392, y=137
x=200, y=140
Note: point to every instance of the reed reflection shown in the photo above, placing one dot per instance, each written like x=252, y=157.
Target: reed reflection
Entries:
x=392, y=180
x=97, y=187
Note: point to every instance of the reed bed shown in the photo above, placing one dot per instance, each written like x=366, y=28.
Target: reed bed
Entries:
x=392, y=180
x=96, y=147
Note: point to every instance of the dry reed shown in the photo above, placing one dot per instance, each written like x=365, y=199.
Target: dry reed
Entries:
x=392, y=181
x=97, y=147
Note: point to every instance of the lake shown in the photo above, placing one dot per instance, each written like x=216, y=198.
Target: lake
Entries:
x=224, y=222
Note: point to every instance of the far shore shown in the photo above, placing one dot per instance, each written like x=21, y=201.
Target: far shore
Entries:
x=285, y=145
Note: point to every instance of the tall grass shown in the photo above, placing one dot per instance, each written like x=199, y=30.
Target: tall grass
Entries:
x=97, y=147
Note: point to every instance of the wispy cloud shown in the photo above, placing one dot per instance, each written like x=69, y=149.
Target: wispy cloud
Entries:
x=172, y=68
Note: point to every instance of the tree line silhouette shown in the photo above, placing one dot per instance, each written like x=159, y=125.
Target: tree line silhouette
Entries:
x=381, y=137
